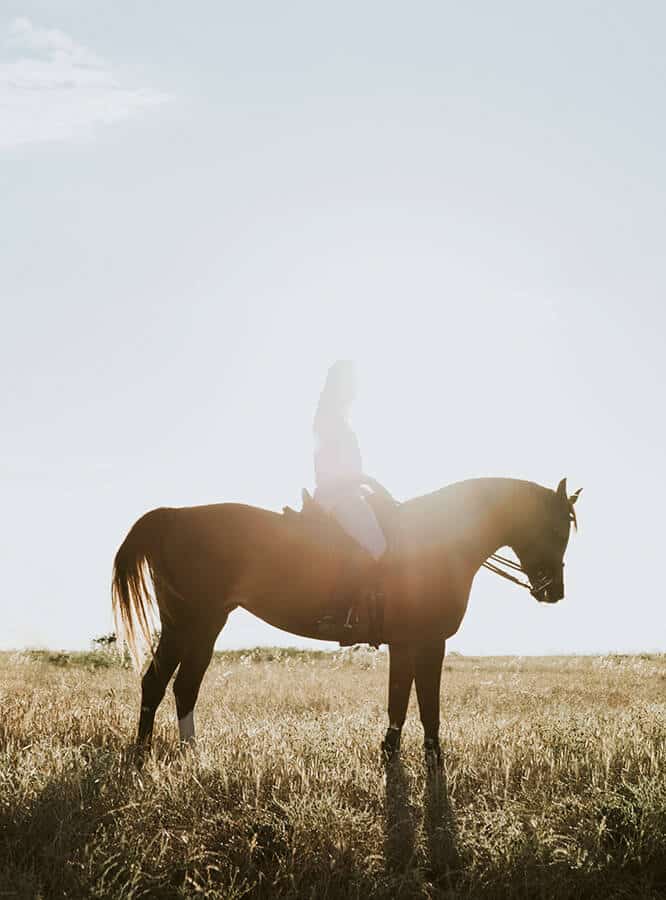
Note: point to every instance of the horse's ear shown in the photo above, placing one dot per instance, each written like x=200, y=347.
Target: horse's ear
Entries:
x=575, y=496
x=562, y=489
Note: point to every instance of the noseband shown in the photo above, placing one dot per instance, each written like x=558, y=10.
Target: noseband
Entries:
x=544, y=580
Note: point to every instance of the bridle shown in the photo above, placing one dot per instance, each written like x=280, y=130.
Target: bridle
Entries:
x=544, y=581
x=535, y=589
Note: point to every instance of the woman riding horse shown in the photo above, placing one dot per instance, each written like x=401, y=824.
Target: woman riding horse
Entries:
x=204, y=561
x=338, y=466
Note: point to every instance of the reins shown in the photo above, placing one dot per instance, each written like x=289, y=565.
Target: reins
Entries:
x=496, y=558
x=546, y=581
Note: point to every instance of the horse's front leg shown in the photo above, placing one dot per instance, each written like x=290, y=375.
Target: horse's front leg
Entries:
x=428, y=658
x=401, y=676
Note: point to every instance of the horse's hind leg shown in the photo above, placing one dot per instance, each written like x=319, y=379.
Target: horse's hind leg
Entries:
x=401, y=676
x=194, y=663
x=154, y=682
x=428, y=660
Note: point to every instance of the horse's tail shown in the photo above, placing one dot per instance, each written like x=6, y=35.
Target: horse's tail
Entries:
x=132, y=584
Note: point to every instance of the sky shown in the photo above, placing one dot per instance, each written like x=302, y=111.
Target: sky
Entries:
x=204, y=206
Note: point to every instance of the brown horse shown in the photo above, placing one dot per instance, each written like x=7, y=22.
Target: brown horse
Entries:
x=297, y=571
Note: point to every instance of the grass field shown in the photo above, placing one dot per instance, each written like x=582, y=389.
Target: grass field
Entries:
x=555, y=781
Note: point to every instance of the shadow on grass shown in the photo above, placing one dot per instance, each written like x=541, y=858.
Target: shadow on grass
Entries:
x=89, y=830
x=400, y=819
x=440, y=829
x=42, y=843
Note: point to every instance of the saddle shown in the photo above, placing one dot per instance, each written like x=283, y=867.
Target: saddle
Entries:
x=357, y=602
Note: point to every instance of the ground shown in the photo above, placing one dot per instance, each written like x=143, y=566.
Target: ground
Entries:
x=554, y=781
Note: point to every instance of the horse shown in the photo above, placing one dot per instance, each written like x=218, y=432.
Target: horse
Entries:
x=301, y=573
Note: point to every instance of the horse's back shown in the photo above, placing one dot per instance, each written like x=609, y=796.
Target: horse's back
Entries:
x=205, y=549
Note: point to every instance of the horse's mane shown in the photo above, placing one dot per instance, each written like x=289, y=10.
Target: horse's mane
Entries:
x=443, y=494
x=484, y=486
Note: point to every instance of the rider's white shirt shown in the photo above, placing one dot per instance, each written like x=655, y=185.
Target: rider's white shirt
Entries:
x=338, y=477
x=337, y=457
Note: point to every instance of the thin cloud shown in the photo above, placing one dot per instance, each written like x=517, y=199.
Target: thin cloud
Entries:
x=55, y=89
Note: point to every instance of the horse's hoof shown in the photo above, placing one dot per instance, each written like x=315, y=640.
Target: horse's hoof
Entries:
x=138, y=753
x=391, y=744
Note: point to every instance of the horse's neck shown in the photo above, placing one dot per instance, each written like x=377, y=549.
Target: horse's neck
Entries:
x=507, y=510
x=481, y=515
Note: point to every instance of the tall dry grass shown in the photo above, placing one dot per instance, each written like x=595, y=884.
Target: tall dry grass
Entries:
x=555, y=782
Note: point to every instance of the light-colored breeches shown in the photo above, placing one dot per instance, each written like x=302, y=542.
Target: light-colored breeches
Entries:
x=358, y=520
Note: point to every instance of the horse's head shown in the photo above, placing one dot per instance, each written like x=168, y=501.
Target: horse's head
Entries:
x=541, y=552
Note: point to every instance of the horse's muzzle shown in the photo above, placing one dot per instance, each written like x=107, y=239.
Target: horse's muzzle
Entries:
x=549, y=594
x=548, y=590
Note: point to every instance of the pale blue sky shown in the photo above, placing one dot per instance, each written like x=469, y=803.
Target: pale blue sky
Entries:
x=204, y=205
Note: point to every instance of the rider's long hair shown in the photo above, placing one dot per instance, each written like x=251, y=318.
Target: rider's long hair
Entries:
x=338, y=393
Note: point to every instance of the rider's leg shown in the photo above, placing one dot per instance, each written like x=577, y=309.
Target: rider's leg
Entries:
x=358, y=520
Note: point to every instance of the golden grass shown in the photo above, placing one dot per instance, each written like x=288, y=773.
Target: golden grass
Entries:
x=555, y=782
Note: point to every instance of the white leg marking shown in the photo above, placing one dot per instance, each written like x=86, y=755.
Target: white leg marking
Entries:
x=186, y=727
